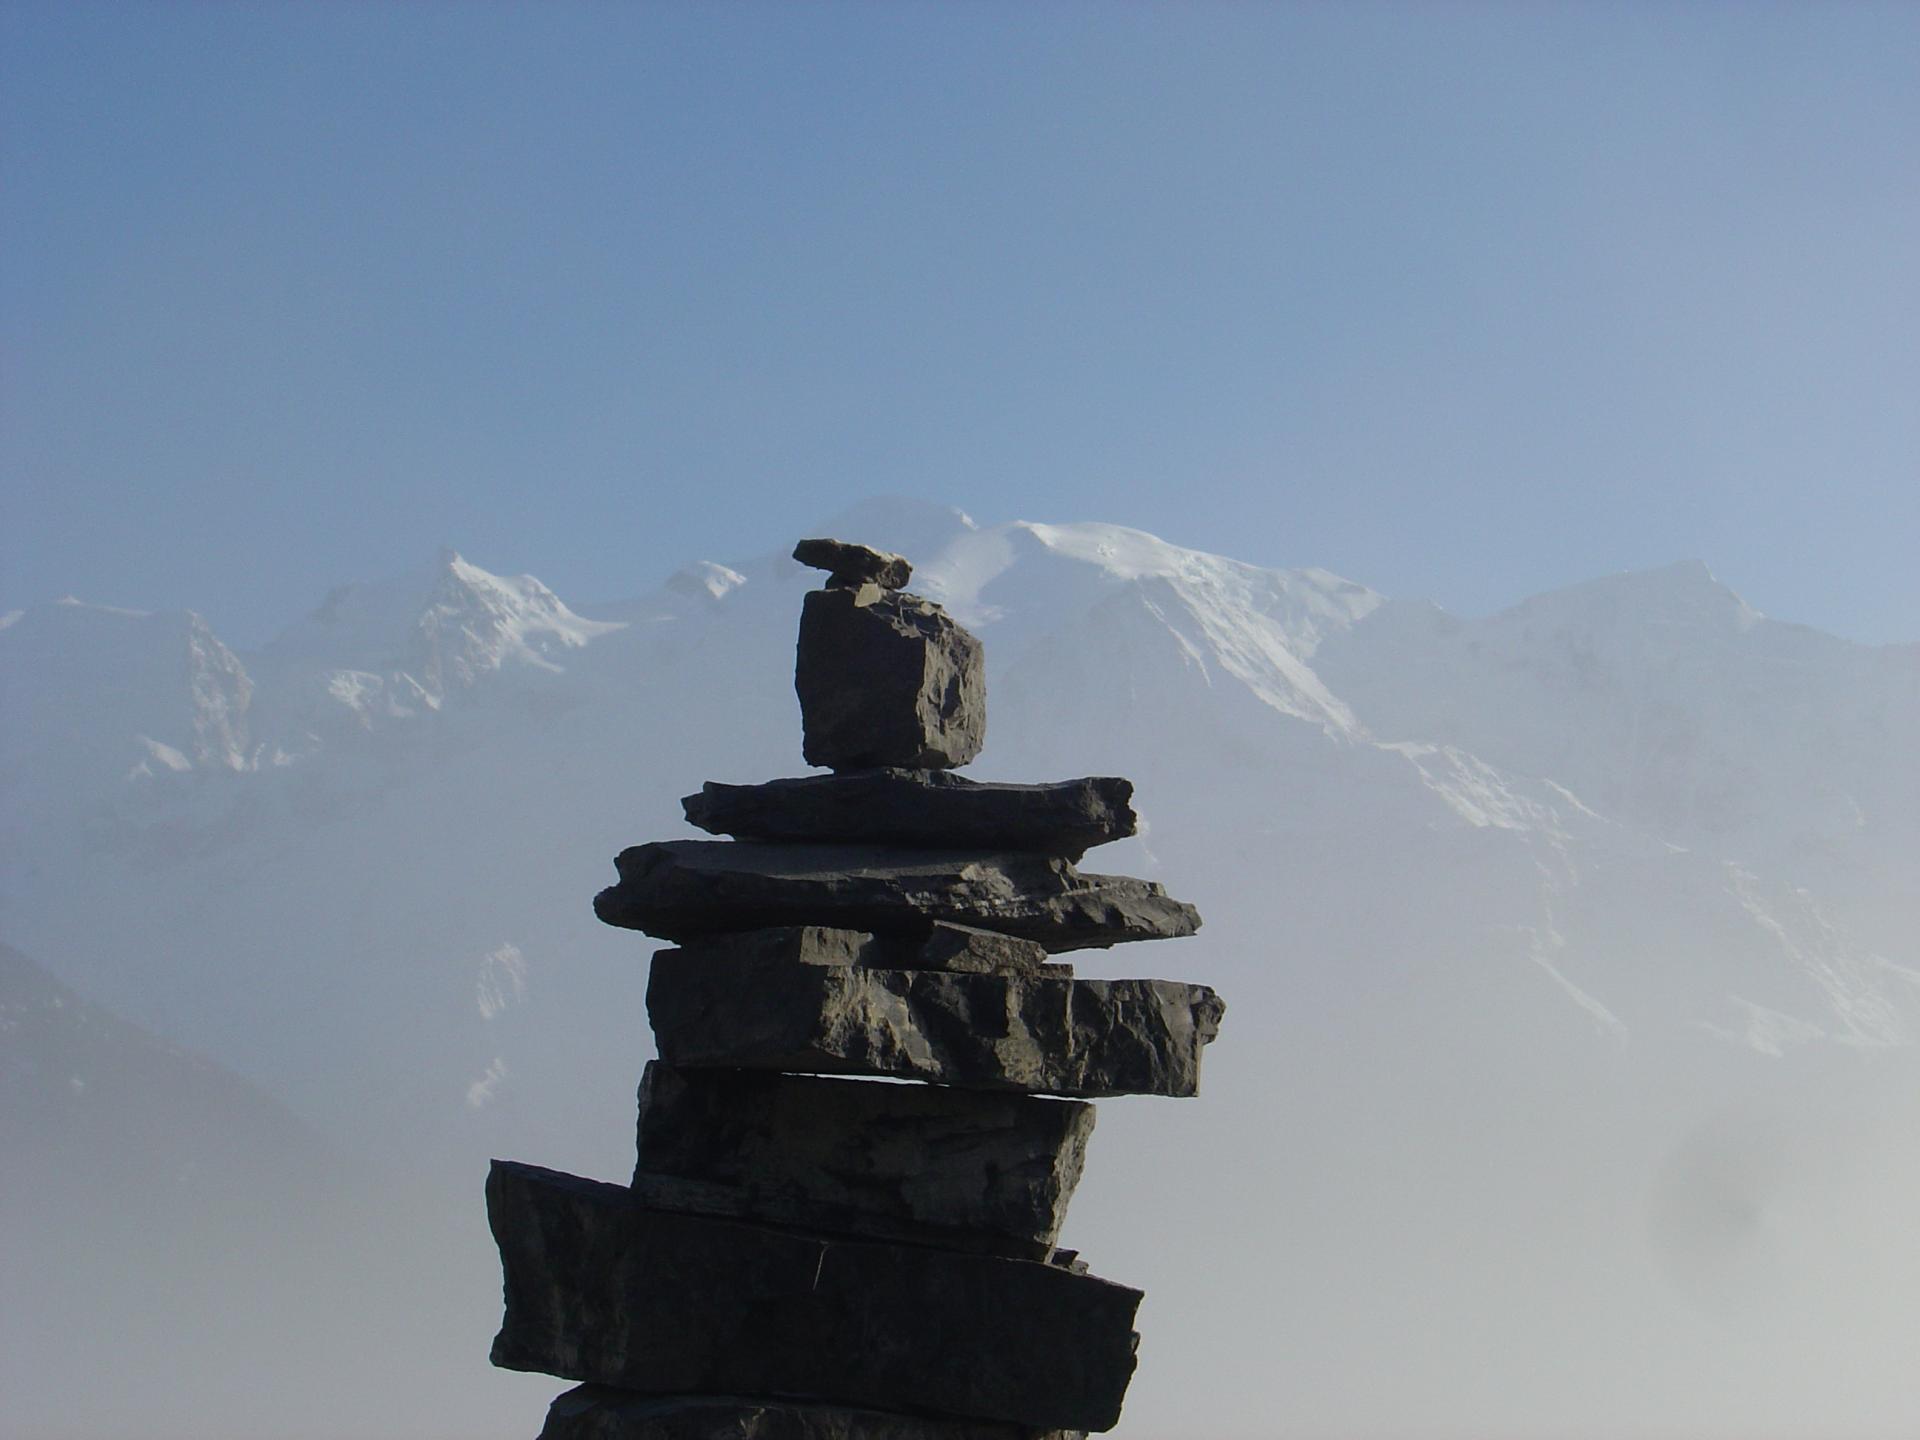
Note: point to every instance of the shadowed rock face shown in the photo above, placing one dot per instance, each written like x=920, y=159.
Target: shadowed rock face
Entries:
x=921, y=808
x=886, y=678
x=682, y=889
x=601, y=1289
x=1085, y=1038
x=910, y=1162
x=600, y=1412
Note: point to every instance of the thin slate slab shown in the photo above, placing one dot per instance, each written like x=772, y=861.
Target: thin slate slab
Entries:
x=945, y=947
x=682, y=889
x=920, y=1163
x=600, y=1288
x=601, y=1412
x=923, y=808
x=887, y=678
x=1033, y=1034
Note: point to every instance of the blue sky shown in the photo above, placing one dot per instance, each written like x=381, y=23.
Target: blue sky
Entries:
x=1460, y=301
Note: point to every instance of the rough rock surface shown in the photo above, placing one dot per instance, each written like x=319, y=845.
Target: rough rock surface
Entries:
x=909, y=1162
x=799, y=945
x=922, y=808
x=1085, y=1038
x=886, y=678
x=600, y=1412
x=680, y=889
x=945, y=947
x=601, y=1289
x=850, y=566
x=982, y=952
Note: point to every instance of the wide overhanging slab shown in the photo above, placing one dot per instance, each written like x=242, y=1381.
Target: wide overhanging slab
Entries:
x=933, y=809
x=682, y=889
x=1033, y=1034
x=601, y=1289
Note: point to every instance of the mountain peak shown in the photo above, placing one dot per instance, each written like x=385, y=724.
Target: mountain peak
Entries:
x=1685, y=592
x=917, y=529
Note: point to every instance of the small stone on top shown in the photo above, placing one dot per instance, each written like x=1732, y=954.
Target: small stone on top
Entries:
x=850, y=566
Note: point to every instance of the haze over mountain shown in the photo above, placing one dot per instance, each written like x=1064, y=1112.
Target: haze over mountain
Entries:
x=1570, y=958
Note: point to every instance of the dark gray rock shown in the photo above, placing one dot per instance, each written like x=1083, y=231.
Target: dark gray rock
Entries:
x=601, y=1289
x=600, y=1412
x=932, y=808
x=799, y=945
x=1037, y=1035
x=903, y=1162
x=886, y=678
x=982, y=952
x=682, y=889
x=850, y=566
x=946, y=947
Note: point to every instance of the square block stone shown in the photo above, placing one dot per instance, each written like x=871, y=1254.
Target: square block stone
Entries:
x=908, y=1162
x=887, y=678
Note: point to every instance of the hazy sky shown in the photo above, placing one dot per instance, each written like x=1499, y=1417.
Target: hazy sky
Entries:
x=1458, y=301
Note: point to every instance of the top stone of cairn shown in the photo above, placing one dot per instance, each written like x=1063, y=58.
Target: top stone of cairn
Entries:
x=850, y=566
x=884, y=678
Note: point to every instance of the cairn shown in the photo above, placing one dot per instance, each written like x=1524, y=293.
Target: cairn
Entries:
x=803, y=1256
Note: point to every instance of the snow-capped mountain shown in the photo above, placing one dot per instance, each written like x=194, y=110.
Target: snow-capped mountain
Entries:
x=1508, y=913
x=376, y=653
x=1664, y=700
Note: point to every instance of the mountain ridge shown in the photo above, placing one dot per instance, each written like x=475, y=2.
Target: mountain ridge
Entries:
x=1540, y=897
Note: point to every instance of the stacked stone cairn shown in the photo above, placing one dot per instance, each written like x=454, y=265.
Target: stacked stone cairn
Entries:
x=810, y=1258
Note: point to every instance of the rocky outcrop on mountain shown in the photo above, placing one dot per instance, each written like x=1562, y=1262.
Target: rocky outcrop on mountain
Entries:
x=809, y=1258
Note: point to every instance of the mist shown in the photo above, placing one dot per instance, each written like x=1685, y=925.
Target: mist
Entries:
x=1524, y=1120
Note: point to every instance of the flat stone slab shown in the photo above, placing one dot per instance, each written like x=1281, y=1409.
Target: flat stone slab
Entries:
x=902, y=1162
x=851, y=566
x=946, y=947
x=887, y=678
x=600, y=1412
x=923, y=808
x=682, y=889
x=602, y=1289
x=1033, y=1034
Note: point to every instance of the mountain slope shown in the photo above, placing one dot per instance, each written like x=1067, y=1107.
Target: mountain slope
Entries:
x=1509, y=915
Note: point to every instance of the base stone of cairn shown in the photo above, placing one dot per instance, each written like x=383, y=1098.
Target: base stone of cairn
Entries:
x=805, y=1257
x=599, y=1412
